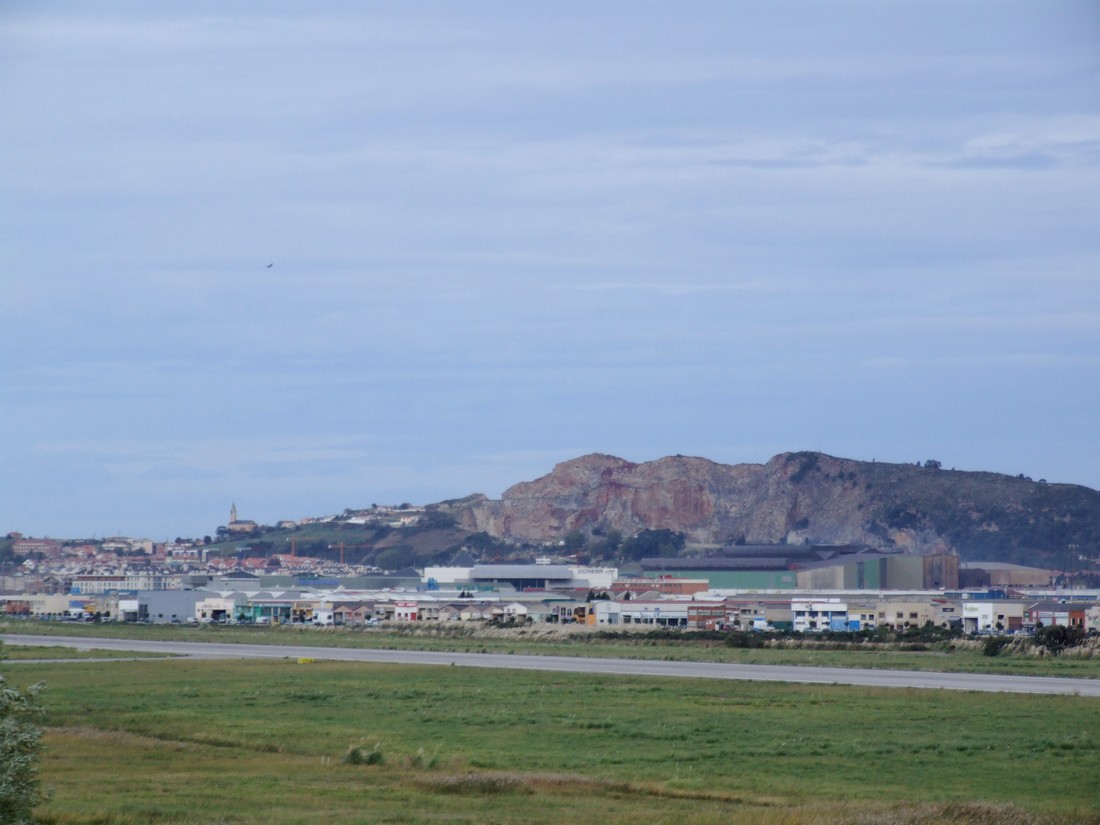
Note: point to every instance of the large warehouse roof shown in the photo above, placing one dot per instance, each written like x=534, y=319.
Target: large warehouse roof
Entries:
x=521, y=571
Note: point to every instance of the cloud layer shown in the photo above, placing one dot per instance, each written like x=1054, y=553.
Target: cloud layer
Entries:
x=503, y=236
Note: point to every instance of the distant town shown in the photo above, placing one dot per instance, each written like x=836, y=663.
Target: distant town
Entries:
x=806, y=589
x=45, y=565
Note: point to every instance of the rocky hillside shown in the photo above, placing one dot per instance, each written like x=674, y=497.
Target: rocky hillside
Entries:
x=802, y=497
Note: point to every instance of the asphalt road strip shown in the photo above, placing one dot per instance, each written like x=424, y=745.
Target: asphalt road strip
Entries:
x=796, y=674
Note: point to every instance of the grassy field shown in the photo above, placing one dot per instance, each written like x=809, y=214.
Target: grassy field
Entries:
x=212, y=743
x=955, y=656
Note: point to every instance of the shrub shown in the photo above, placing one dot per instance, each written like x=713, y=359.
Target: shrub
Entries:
x=994, y=645
x=1057, y=638
x=743, y=639
x=19, y=744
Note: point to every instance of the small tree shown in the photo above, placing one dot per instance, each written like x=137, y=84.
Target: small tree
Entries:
x=394, y=558
x=574, y=540
x=651, y=543
x=19, y=746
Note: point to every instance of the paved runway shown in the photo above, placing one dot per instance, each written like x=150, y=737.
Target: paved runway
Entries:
x=627, y=667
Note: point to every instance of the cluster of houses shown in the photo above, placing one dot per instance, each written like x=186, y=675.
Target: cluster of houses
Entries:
x=121, y=563
x=402, y=515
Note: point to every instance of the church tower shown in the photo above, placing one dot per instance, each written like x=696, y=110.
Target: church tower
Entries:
x=233, y=513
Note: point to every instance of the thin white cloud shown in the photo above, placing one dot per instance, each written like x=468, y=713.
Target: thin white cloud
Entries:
x=673, y=289
x=163, y=30
x=223, y=454
x=1025, y=360
x=543, y=458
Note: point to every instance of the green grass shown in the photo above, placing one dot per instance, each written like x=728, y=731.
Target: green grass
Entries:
x=33, y=652
x=957, y=656
x=203, y=742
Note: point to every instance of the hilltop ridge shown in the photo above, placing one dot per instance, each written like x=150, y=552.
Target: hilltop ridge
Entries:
x=797, y=498
x=595, y=504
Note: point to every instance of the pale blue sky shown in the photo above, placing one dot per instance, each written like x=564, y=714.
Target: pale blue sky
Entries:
x=508, y=234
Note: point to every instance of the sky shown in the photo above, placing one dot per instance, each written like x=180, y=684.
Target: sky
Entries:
x=312, y=256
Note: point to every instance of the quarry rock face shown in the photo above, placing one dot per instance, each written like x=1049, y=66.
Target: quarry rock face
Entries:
x=797, y=498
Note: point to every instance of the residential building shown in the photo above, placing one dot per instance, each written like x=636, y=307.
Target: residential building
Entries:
x=817, y=615
x=993, y=615
x=1063, y=613
x=902, y=612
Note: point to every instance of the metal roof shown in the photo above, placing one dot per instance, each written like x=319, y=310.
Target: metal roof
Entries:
x=521, y=571
x=715, y=563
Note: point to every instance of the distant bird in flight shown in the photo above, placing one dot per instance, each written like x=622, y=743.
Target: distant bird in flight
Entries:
x=270, y=265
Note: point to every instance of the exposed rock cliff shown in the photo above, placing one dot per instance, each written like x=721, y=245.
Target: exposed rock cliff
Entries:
x=797, y=497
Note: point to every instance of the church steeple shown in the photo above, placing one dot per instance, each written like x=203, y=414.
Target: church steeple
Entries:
x=233, y=513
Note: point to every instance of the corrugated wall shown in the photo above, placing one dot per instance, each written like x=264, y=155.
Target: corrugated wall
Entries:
x=740, y=579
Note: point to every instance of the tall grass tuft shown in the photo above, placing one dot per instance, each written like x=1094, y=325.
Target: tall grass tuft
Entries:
x=363, y=756
x=422, y=760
